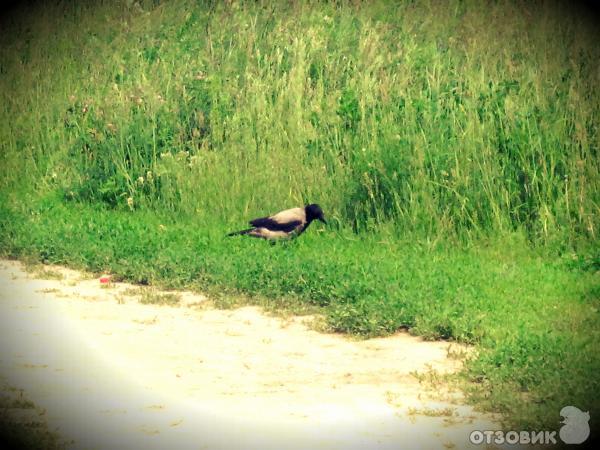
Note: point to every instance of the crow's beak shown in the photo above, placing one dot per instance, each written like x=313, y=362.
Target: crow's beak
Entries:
x=322, y=219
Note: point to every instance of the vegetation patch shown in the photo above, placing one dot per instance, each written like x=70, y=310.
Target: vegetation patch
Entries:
x=433, y=412
x=150, y=296
x=24, y=431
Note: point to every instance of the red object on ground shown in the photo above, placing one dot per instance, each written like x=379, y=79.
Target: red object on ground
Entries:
x=104, y=279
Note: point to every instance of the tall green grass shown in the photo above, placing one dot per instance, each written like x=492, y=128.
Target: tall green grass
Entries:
x=452, y=145
x=455, y=118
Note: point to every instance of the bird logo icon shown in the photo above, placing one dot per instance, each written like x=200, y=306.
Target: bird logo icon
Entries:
x=576, y=428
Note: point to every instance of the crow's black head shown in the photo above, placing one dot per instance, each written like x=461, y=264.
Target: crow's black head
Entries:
x=313, y=212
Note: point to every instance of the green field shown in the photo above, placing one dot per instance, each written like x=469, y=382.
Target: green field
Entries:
x=454, y=147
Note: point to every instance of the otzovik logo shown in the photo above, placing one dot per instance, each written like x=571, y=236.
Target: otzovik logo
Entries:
x=576, y=428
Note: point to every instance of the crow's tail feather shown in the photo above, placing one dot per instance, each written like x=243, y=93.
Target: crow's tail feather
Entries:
x=241, y=232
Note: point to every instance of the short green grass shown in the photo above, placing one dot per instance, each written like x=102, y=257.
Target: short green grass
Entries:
x=151, y=296
x=453, y=145
x=433, y=412
x=37, y=270
x=534, y=319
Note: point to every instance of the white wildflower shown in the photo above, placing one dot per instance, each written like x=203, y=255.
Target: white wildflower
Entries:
x=182, y=154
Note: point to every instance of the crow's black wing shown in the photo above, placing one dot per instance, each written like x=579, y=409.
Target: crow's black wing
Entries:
x=274, y=225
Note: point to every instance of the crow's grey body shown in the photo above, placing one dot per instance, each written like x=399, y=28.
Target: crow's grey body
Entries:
x=285, y=224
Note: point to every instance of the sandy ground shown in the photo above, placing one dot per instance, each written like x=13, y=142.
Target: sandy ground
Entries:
x=111, y=372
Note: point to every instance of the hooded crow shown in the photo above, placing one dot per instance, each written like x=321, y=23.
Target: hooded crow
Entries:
x=285, y=224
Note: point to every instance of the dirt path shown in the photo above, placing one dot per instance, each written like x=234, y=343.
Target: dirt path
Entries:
x=114, y=373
